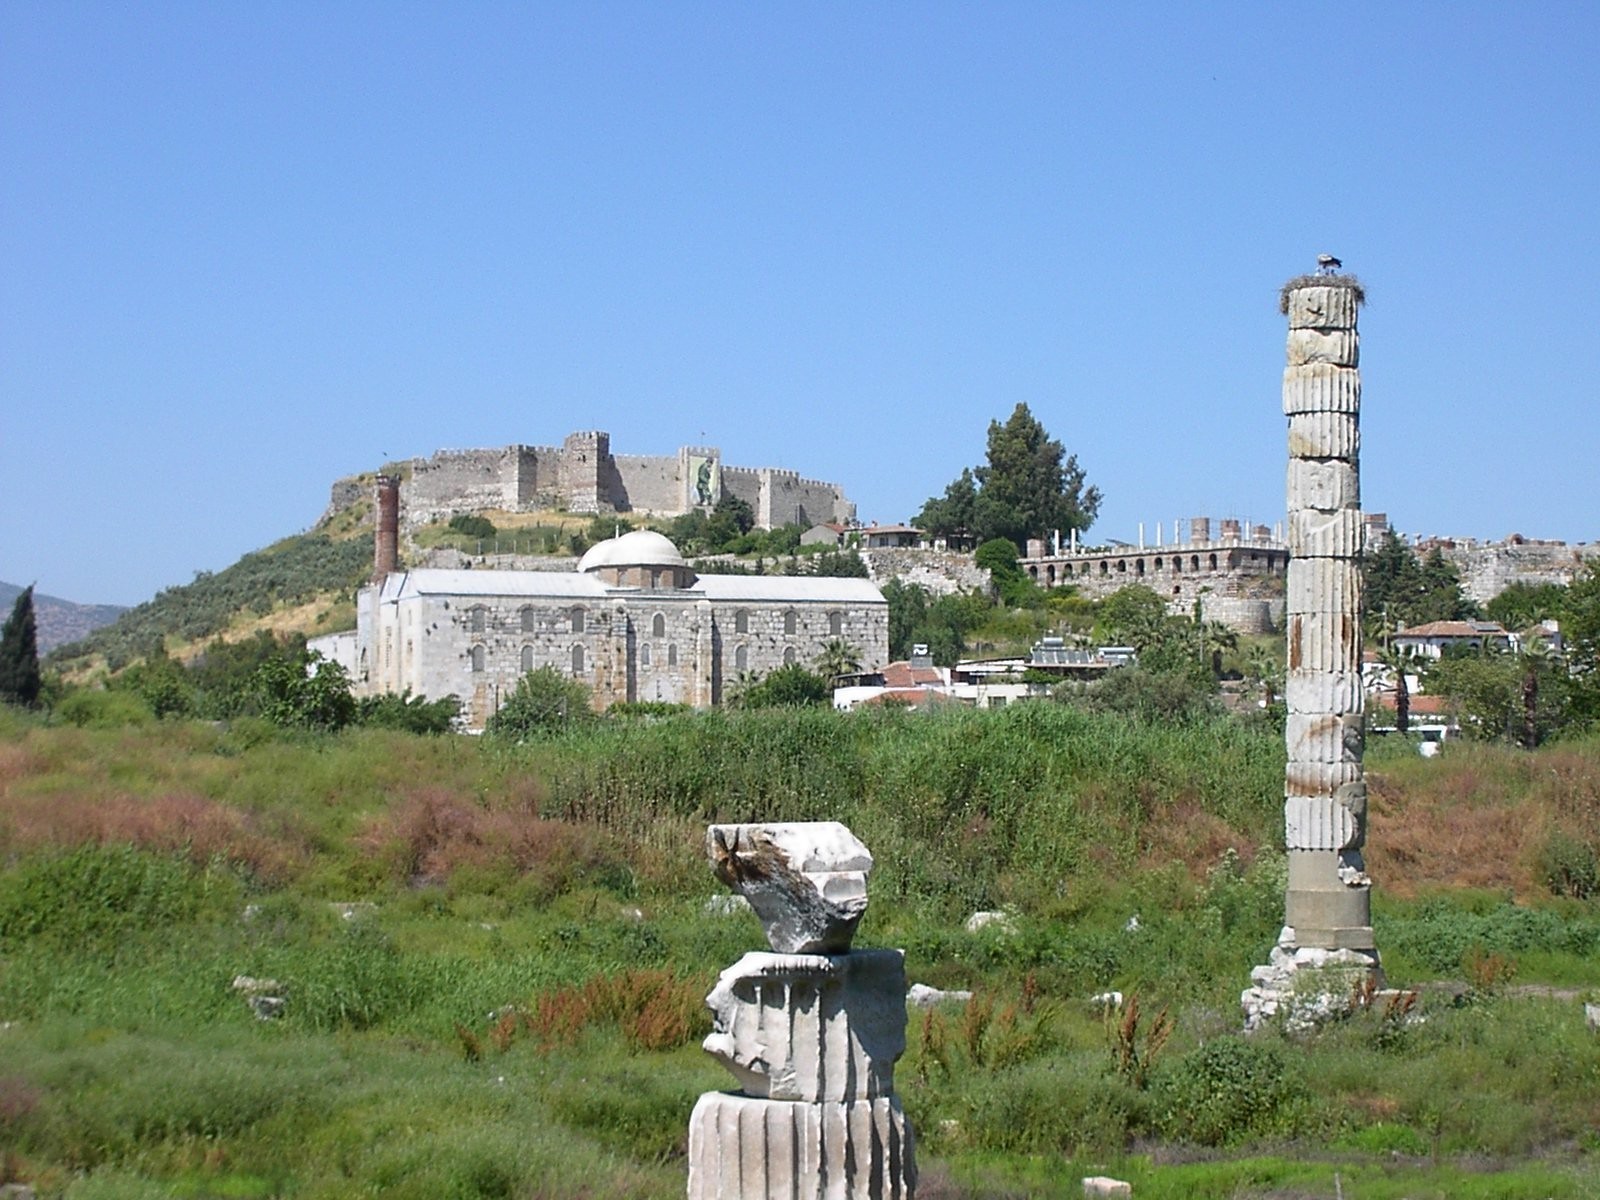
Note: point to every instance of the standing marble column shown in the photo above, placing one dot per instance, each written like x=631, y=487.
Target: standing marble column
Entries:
x=1328, y=908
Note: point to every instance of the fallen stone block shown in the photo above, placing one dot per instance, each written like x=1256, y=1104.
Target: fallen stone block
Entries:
x=1104, y=1185
x=923, y=996
x=998, y=921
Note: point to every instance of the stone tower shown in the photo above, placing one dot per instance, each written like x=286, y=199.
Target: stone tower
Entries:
x=1328, y=907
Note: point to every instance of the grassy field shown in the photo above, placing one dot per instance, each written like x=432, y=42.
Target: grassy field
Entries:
x=493, y=957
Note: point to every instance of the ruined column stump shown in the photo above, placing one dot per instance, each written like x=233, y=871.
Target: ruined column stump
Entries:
x=811, y=1037
x=1328, y=906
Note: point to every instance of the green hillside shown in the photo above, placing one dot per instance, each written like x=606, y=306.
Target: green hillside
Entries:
x=293, y=571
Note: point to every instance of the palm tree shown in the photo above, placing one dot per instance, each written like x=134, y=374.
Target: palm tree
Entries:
x=1537, y=657
x=1398, y=661
x=1218, y=639
x=838, y=659
x=1266, y=671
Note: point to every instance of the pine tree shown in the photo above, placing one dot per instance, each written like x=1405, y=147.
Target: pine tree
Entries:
x=19, y=653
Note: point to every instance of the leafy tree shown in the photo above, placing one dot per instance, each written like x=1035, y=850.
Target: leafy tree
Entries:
x=161, y=682
x=841, y=564
x=1401, y=589
x=1580, y=627
x=1266, y=670
x=1028, y=488
x=1146, y=695
x=838, y=658
x=999, y=556
x=1499, y=696
x=19, y=653
x=730, y=519
x=956, y=512
x=544, y=701
x=223, y=677
x=790, y=686
x=312, y=693
x=408, y=713
x=1525, y=604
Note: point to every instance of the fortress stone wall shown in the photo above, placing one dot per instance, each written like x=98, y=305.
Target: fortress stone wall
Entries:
x=1238, y=577
x=1489, y=568
x=582, y=475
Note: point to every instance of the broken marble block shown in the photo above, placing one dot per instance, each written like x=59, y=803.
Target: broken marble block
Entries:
x=811, y=1027
x=806, y=880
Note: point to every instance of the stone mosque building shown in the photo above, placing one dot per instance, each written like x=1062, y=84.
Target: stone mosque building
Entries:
x=633, y=622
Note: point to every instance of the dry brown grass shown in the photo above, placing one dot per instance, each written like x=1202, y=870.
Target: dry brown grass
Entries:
x=655, y=1010
x=433, y=833
x=1185, y=833
x=198, y=828
x=1479, y=818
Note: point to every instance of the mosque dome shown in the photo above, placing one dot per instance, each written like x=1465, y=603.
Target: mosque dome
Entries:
x=640, y=548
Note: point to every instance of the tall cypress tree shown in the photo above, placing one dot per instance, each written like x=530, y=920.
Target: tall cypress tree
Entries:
x=19, y=653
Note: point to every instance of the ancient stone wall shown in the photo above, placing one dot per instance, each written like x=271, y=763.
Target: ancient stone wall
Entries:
x=583, y=476
x=1238, y=581
x=941, y=572
x=648, y=483
x=459, y=481
x=1489, y=568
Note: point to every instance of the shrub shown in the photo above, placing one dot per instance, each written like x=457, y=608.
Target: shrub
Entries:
x=1228, y=1090
x=789, y=686
x=94, y=893
x=544, y=701
x=1569, y=866
x=91, y=708
x=408, y=713
x=473, y=526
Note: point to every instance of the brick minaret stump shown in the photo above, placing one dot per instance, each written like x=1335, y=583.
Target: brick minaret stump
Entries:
x=1328, y=907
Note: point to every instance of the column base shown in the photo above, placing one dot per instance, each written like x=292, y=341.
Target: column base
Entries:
x=749, y=1148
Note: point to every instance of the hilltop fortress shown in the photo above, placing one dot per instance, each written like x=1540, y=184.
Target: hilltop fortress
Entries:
x=583, y=476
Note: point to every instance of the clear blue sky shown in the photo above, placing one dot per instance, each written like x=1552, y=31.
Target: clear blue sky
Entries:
x=248, y=248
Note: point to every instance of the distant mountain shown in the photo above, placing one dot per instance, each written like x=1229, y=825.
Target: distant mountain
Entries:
x=60, y=621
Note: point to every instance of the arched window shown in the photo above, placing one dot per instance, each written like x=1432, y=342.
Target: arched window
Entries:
x=741, y=621
x=658, y=626
x=1213, y=562
x=1104, y=568
x=791, y=621
x=788, y=656
x=577, y=620
x=527, y=659
x=1122, y=566
x=477, y=659
x=644, y=655
x=1050, y=576
x=1159, y=564
x=577, y=660
x=741, y=659
x=835, y=624
x=1138, y=566
x=1177, y=565
x=478, y=618
x=529, y=619
x=1194, y=562
x=672, y=654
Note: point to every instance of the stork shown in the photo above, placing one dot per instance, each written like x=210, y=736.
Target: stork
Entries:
x=1327, y=264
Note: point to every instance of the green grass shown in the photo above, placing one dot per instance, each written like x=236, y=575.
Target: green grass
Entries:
x=142, y=870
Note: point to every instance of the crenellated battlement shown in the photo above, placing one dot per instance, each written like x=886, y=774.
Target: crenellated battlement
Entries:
x=583, y=475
